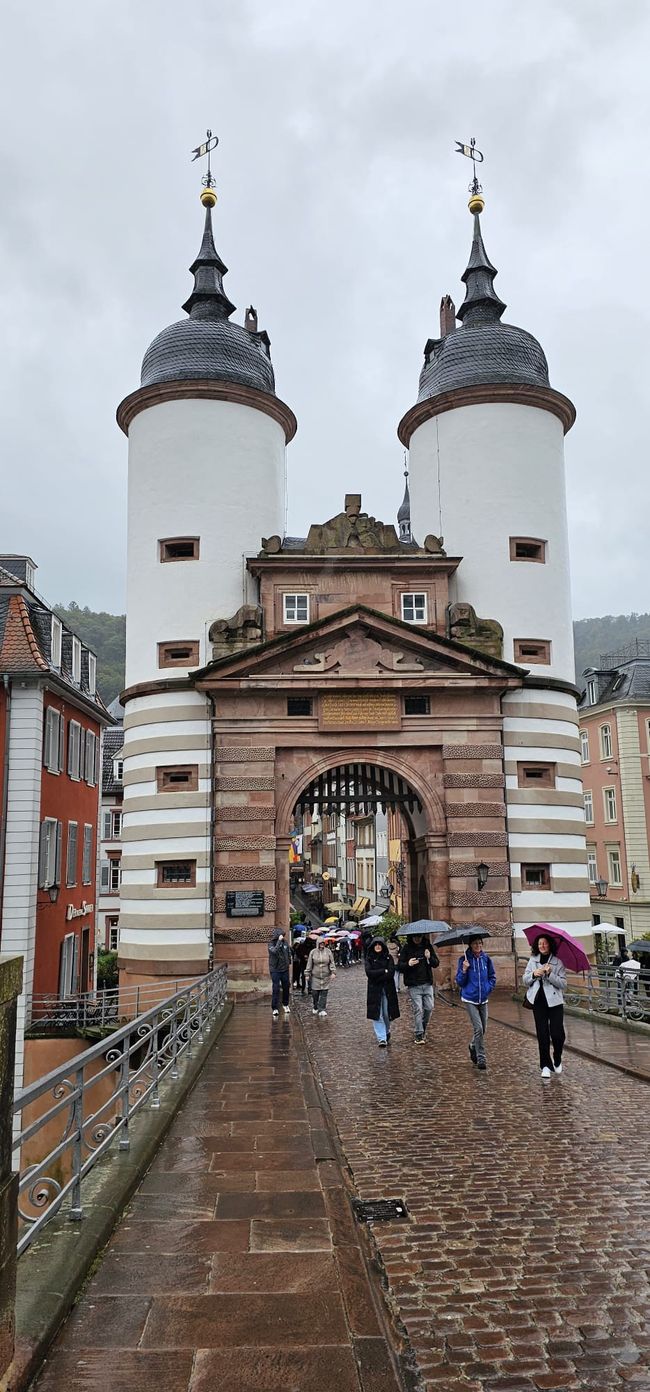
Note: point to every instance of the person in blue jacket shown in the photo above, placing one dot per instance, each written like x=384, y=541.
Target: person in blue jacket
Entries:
x=477, y=979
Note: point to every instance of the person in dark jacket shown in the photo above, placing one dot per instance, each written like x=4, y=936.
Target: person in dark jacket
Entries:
x=417, y=960
x=279, y=963
x=382, y=1003
x=300, y=955
x=477, y=979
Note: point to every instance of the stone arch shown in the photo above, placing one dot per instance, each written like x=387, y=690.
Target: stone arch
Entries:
x=432, y=806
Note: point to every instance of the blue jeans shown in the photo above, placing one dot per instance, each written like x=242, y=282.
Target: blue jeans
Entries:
x=382, y=1025
x=478, y=1015
x=422, y=1002
x=280, y=984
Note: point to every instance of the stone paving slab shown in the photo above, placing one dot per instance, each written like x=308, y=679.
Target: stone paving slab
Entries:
x=237, y=1265
x=625, y=1049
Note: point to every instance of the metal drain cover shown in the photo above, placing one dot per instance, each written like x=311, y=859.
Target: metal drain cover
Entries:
x=380, y=1211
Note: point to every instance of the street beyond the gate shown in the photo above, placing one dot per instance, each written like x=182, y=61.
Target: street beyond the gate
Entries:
x=526, y=1261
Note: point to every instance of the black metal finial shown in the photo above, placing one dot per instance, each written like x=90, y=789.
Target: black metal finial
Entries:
x=209, y=144
x=475, y=155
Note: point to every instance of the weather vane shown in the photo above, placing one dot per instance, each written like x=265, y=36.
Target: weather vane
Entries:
x=476, y=157
x=205, y=149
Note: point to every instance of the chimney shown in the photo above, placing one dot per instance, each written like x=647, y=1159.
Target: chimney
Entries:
x=250, y=321
x=447, y=316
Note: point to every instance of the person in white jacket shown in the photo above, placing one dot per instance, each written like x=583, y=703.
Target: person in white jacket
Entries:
x=545, y=977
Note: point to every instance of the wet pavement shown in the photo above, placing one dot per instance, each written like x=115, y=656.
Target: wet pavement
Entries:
x=525, y=1263
x=625, y=1049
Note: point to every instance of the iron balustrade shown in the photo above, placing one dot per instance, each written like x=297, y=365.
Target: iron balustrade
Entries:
x=53, y=1014
x=88, y=1103
x=605, y=990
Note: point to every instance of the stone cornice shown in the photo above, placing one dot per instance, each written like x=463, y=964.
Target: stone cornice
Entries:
x=352, y=560
x=207, y=390
x=151, y=688
x=544, y=398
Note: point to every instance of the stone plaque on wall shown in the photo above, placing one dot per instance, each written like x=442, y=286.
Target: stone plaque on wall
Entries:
x=360, y=710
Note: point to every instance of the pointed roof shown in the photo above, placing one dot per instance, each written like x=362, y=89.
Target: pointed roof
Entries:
x=404, y=513
x=20, y=651
x=481, y=304
x=208, y=299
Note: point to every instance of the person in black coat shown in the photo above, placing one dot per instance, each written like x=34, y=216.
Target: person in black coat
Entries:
x=417, y=960
x=382, y=1002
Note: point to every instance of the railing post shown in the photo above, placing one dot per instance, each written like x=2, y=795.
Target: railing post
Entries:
x=76, y=1211
x=155, y=1095
x=11, y=984
x=125, y=1139
x=137, y=1001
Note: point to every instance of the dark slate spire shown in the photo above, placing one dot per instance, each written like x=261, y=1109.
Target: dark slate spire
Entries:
x=404, y=514
x=208, y=299
x=481, y=304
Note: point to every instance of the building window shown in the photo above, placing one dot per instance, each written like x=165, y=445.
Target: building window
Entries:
x=614, y=866
x=87, y=860
x=49, y=857
x=110, y=875
x=53, y=736
x=532, y=650
x=592, y=867
x=179, y=549
x=178, y=778
x=414, y=608
x=605, y=741
x=76, y=661
x=535, y=877
x=118, y=770
x=177, y=873
x=106, y=825
x=90, y=759
x=74, y=744
x=68, y=965
x=296, y=608
x=592, y=692
x=527, y=549
x=71, y=856
x=112, y=934
x=536, y=775
x=116, y=828
x=584, y=746
x=609, y=800
x=92, y=673
x=589, y=806
x=179, y=654
x=298, y=705
x=56, y=637
x=416, y=705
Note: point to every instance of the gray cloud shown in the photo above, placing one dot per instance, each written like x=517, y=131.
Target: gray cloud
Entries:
x=342, y=215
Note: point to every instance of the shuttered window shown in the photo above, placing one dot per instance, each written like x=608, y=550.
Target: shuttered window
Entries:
x=53, y=736
x=90, y=758
x=49, y=860
x=87, y=863
x=71, y=855
x=74, y=740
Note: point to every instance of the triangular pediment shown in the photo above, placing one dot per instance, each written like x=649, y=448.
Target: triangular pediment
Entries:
x=359, y=643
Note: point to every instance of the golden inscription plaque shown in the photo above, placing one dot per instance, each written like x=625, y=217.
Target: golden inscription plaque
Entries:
x=360, y=710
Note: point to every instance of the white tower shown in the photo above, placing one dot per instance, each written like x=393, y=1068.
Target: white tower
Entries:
x=207, y=438
x=486, y=467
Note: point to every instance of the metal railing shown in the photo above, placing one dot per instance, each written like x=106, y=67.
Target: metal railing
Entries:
x=48, y=1014
x=605, y=990
x=69, y=1119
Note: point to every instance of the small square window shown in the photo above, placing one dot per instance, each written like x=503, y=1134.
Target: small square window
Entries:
x=179, y=549
x=296, y=608
x=76, y=661
x=527, y=549
x=55, y=641
x=176, y=873
x=536, y=775
x=181, y=653
x=414, y=608
x=535, y=876
x=177, y=778
x=532, y=650
x=416, y=705
x=298, y=705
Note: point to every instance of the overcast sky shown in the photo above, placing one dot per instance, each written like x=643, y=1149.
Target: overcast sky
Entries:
x=342, y=216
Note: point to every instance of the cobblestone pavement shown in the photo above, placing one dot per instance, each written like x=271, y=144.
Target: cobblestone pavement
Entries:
x=237, y=1266
x=526, y=1261
x=625, y=1049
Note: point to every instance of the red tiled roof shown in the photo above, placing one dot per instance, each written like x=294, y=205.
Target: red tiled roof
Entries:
x=20, y=651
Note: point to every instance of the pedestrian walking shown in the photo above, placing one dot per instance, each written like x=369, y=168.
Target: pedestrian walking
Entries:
x=477, y=979
x=545, y=977
x=417, y=960
x=300, y=955
x=321, y=970
x=279, y=963
x=382, y=1004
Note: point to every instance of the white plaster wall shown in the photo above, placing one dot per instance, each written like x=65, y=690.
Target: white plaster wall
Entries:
x=479, y=475
x=213, y=469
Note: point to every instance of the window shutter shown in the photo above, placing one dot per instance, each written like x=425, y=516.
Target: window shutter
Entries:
x=42, y=855
x=105, y=876
x=82, y=750
x=47, y=732
x=97, y=765
x=56, y=878
x=61, y=743
x=106, y=833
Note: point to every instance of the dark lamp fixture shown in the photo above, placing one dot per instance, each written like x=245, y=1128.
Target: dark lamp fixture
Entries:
x=601, y=888
x=53, y=891
x=482, y=872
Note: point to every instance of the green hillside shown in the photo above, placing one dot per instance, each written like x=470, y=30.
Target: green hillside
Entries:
x=105, y=634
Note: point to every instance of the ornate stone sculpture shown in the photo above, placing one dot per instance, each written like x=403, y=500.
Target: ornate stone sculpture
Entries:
x=353, y=530
x=244, y=630
x=484, y=635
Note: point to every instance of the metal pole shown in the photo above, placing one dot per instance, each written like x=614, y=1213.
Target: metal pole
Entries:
x=76, y=1211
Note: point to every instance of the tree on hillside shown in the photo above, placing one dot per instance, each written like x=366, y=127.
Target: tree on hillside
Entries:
x=611, y=634
x=105, y=634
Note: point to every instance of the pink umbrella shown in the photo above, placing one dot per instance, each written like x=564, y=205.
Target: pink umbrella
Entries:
x=568, y=949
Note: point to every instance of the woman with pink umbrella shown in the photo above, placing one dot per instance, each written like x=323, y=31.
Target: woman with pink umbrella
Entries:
x=545, y=977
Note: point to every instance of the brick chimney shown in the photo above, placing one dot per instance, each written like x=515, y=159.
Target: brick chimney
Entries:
x=447, y=316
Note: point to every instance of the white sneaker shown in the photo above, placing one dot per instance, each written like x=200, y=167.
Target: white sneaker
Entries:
x=314, y=1012
x=546, y=1072
x=287, y=1009
x=275, y=1014
x=323, y=1014
x=557, y=1067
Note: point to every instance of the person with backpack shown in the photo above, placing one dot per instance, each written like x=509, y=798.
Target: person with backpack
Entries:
x=417, y=960
x=477, y=979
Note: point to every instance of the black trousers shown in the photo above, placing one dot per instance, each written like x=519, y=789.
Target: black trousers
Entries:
x=549, y=1023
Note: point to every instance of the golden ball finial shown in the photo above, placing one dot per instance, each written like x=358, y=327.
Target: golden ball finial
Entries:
x=476, y=203
x=208, y=197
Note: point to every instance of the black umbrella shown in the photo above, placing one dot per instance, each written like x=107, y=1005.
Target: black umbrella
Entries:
x=461, y=935
x=422, y=925
x=641, y=945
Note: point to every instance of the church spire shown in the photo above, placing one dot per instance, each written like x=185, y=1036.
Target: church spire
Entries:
x=208, y=299
x=481, y=304
x=404, y=514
